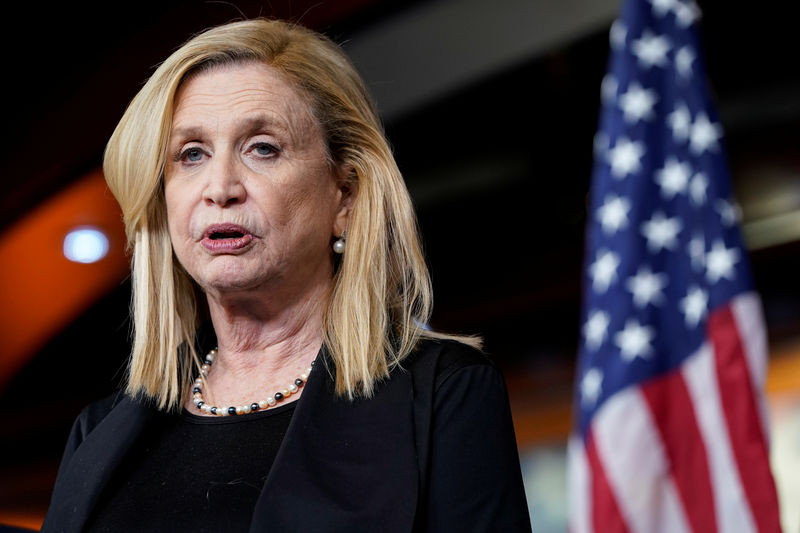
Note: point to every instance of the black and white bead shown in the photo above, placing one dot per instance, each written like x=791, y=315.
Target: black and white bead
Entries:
x=197, y=393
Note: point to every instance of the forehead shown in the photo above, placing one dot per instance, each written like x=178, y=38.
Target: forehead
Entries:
x=251, y=92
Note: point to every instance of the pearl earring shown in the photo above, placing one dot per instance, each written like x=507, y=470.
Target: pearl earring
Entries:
x=338, y=245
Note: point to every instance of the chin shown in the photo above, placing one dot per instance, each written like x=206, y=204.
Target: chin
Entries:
x=229, y=286
x=229, y=276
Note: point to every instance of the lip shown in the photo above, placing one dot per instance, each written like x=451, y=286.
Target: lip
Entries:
x=226, y=245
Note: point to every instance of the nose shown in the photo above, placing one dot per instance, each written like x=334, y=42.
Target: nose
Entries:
x=224, y=185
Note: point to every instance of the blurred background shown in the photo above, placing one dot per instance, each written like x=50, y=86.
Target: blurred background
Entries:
x=491, y=108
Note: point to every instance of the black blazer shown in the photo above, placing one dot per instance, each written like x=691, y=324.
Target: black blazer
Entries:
x=432, y=450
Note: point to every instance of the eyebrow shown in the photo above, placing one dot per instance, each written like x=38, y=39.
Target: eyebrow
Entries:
x=263, y=122
x=184, y=132
x=250, y=124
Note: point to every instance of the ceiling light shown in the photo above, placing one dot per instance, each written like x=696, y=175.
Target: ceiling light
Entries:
x=85, y=245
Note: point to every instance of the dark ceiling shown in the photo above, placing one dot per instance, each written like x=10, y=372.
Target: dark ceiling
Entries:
x=499, y=170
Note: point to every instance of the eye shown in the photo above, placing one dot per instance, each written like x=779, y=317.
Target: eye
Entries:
x=263, y=149
x=192, y=154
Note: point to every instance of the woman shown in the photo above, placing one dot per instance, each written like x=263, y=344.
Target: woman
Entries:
x=260, y=198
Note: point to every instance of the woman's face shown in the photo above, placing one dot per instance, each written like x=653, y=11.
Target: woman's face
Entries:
x=252, y=202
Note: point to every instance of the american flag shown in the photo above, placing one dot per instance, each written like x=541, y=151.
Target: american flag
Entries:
x=670, y=432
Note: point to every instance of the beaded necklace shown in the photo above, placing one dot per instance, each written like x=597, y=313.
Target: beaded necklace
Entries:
x=241, y=409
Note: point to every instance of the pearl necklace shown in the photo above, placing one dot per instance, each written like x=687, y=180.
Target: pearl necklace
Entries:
x=242, y=409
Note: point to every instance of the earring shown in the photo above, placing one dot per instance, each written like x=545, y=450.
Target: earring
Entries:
x=338, y=245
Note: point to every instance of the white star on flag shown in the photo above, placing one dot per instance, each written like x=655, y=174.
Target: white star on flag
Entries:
x=697, y=188
x=591, y=386
x=720, y=262
x=704, y=134
x=617, y=35
x=613, y=214
x=686, y=13
x=651, y=49
x=673, y=178
x=608, y=88
x=662, y=7
x=681, y=122
x=697, y=251
x=661, y=232
x=604, y=270
x=595, y=328
x=729, y=212
x=646, y=287
x=694, y=305
x=625, y=157
x=637, y=103
x=683, y=61
x=634, y=340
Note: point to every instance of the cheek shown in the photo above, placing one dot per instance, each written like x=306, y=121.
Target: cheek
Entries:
x=177, y=214
x=322, y=196
x=315, y=208
x=302, y=220
x=308, y=201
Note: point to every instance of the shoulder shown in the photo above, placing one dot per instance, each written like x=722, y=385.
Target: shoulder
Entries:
x=88, y=420
x=94, y=413
x=456, y=357
x=445, y=359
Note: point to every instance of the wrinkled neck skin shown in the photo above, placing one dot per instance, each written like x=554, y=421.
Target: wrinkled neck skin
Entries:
x=265, y=339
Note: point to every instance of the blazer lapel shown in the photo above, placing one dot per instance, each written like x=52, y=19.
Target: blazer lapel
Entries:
x=344, y=463
x=93, y=464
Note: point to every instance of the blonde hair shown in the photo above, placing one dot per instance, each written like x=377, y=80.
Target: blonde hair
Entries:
x=381, y=290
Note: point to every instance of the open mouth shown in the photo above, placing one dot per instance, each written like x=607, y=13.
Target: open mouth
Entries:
x=218, y=232
x=226, y=238
x=225, y=235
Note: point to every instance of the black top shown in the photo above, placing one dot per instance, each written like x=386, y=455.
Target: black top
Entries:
x=432, y=450
x=193, y=473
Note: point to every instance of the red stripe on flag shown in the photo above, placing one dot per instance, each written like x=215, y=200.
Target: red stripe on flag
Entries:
x=673, y=414
x=742, y=417
x=606, y=517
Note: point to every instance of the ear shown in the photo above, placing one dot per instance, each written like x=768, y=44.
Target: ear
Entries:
x=347, y=188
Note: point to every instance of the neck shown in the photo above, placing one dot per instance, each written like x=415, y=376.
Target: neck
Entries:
x=264, y=343
x=252, y=329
